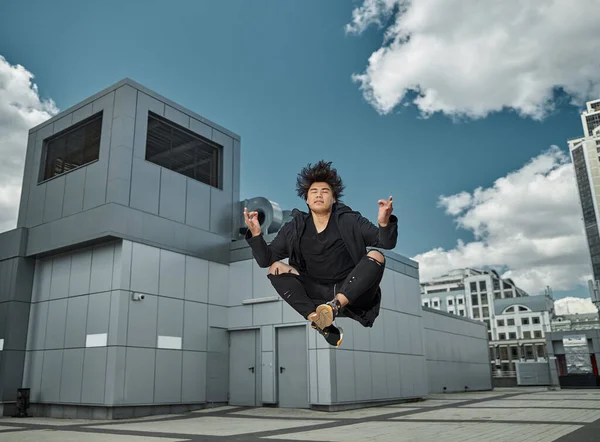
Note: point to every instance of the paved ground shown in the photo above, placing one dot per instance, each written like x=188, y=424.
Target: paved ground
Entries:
x=515, y=415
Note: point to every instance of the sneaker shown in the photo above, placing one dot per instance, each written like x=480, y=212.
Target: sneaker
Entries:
x=332, y=334
x=325, y=314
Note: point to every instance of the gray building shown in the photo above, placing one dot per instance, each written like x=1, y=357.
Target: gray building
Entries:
x=126, y=288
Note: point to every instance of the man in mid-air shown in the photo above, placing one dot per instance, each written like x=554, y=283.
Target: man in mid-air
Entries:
x=330, y=272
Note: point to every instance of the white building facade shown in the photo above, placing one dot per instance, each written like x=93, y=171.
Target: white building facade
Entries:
x=517, y=323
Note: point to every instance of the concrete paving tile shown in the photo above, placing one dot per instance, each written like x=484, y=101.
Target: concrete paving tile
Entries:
x=427, y=432
x=46, y=421
x=212, y=426
x=499, y=414
x=283, y=413
x=4, y=428
x=428, y=403
x=523, y=403
x=74, y=436
x=214, y=410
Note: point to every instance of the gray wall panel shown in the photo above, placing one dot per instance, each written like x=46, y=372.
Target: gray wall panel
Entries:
x=197, y=201
x=77, y=312
x=55, y=330
x=196, y=279
x=6, y=279
x=195, y=322
x=94, y=375
x=98, y=313
x=63, y=123
x=218, y=283
x=38, y=317
x=145, y=103
x=119, y=176
x=95, y=180
x=32, y=376
x=201, y=128
x=141, y=328
x=74, y=189
x=392, y=373
x=177, y=116
x=345, y=376
x=61, y=273
x=139, y=375
x=145, y=269
x=82, y=113
x=170, y=317
x=102, y=267
x=125, y=101
x=168, y=376
x=240, y=282
x=28, y=172
x=172, y=195
x=378, y=372
x=172, y=274
x=81, y=264
x=117, y=265
x=145, y=186
x=119, y=311
x=55, y=192
x=237, y=158
x=72, y=376
x=364, y=386
x=115, y=375
x=194, y=376
x=268, y=313
x=35, y=205
x=117, y=191
x=121, y=141
x=11, y=373
x=220, y=212
x=51, y=375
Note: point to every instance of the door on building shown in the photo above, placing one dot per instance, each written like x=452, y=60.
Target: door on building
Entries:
x=243, y=370
x=292, y=367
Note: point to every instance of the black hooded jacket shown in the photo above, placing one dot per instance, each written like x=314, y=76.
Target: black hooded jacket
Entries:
x=356, y=231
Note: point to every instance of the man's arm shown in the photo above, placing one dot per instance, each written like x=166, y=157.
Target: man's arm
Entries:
x=384, y=236
x=266, y=254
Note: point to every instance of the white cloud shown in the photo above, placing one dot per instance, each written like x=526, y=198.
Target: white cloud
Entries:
x=20, y=109
x=572, y=305
x=467, y=58
x=527, y=225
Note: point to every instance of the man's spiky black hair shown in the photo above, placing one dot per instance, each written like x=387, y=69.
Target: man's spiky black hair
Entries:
x=322, y=172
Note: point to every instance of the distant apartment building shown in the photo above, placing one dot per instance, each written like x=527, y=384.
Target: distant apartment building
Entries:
x=517, y=323
x=585, y=154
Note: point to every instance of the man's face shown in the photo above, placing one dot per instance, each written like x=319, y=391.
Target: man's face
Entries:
x=320, y=198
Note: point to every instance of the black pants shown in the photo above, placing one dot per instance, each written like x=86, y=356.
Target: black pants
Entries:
x=361, y=288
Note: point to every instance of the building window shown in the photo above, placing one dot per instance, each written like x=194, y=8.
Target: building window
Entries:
x=512, y=335
x=541, y=351
x=525, y=321
x=486, y=312
x=496, y=284
x=425, y=304
x=537, y=334
x=510, y=310
x=482, y=286
x=175, y=148
x=476, y=312
x=473, y=286
x=508, y=294
x=474, y=299
x=522, y=309
x=535, y=320
x=449, y=301
x=436, y=304
x=500, y=322
x=502, y=337
x=460, y=301
x=461, y=312
x=527, y=335
x=71, y=148
x=484, y=299
x=510, y=322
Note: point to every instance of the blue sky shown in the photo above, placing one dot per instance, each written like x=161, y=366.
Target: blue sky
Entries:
x=279, y=73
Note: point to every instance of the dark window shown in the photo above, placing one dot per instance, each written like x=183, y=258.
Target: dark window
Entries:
x=502, y=337
x=74, y=147
x=474, y=300
x=180, y=150
x=537, y=334
x=510, y=322
x=512, y=335
x=525, y=321
x=473, y=286
x=500, y=322
x=526, y=335
x=482, y=286
x=535, y=320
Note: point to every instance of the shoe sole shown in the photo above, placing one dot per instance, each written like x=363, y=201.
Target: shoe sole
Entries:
x=324, y=316
x=341, y=337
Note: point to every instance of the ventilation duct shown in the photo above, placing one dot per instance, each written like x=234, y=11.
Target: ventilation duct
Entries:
x=270, y=215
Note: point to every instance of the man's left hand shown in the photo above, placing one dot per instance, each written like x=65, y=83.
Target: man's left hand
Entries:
x=385, y=210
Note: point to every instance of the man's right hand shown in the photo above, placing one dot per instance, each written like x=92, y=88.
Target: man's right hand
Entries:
x=251, y=219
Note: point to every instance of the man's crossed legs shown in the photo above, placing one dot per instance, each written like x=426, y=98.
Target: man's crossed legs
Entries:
x=321, y=303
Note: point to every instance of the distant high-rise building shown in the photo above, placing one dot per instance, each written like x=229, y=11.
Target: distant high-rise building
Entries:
x=585, y=154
